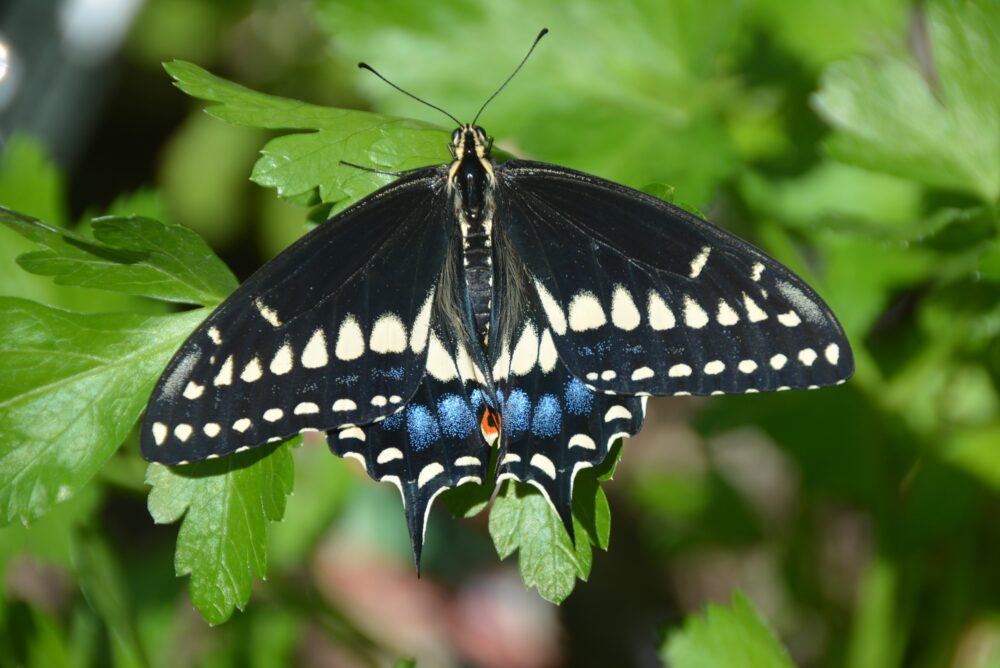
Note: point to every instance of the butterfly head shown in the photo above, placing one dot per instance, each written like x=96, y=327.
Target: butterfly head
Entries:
x=471, y=141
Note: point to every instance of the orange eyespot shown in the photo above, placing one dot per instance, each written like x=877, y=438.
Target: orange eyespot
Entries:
x=490, y=425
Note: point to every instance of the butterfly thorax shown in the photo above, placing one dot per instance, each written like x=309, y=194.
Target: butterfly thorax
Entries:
x=471, y=185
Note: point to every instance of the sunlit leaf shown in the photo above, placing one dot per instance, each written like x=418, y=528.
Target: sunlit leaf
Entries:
x=226, y=505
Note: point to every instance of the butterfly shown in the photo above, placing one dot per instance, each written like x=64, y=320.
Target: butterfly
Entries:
x=476, y=304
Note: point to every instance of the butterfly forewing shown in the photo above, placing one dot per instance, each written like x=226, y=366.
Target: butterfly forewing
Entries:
x=332, y=332
x=645, y=298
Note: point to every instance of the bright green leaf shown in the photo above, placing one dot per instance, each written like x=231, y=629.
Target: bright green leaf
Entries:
x=71, y=387
x=942, y=131
x=734, y=635
x=522, y=521
x=299, y=163
x=226, y=505
x=135, y=255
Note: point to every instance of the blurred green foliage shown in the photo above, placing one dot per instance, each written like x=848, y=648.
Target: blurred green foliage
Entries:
x=857, y=141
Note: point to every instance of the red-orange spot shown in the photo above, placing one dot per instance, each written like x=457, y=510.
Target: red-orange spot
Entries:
x=490, y=424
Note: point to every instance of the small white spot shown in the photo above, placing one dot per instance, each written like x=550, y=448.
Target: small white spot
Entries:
x=582, y=441
x=682, y=394
x=608, y=374
x=251, y=371
x=679, y=371
x=715, y=367
x=439, y=363
x=213, y=333
x=388, y=455
x=782, y=388
x=193, y=390
x=547, y=356
x=698, y=263
x=751, y=390
x=510, y=458
x=660, y=315
x=242, y=448
x=832, y=353
x=778, y=362
x=428, y=473
x=274, y=439
x=356, y=433
x=273, y=414
x=241, y=425
x=790, y=319
x=469, y=478
x=314, y=355
x=585, y=312
x=306, y=408
x=747, y=366
x=642, y=373
x=159, y=433
x=282, y=361
x=807, y=356
x=593, y=375
x=616, y=412
x=726, y=315
x=813, y=387
x=757, y=271
x=211, y=429
x=267, y=313
x=395, y=399
x=557, y=318
x=624, y=314
x=378, y=401
x=525, y=353
x=422, y=325
x=715, y=393
x=225, y=375
x=388, y=334
x=754, y=312
x=467, y=461
x=350, y=340
x=212, y=456
x=344, y=405
x=694, y=315
x=544, y=464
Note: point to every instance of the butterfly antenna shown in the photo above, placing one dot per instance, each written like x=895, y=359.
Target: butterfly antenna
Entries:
x=366, y=66
x=516, y=70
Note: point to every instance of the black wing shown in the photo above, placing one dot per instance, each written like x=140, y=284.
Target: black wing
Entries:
x=330, y=334
x=646, y=298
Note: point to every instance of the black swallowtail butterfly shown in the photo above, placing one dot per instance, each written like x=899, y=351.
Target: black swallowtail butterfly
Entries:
x=472, y=304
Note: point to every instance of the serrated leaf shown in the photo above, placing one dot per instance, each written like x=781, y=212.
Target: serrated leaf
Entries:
x=734, y=635
x=522, y=521
x=940, y=128
x=134, y=255
x=298, y=164
x=71, y=387
x=226, y=505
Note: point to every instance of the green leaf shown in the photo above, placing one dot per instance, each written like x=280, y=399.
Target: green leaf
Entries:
x=71, y=387
x=300, y=163
x=940, y=127
x=226, y=504
x=103, y=585
x=632, y=94
x=725, y=636
x=522, y=521
x=134, y=255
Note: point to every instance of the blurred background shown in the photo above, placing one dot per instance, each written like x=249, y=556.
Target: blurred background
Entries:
x=858, y=141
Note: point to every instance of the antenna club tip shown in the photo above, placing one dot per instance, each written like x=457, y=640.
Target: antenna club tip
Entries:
x=545, y=31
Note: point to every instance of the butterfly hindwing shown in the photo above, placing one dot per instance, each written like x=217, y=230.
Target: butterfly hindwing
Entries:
x=552, y=425
x=643, y=297
x=333, y=331
x=431, y=444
